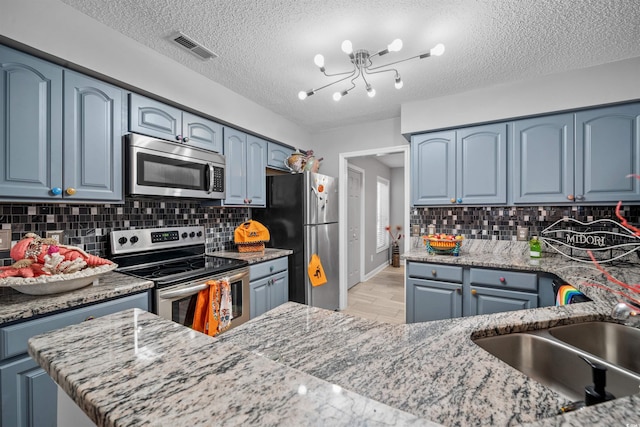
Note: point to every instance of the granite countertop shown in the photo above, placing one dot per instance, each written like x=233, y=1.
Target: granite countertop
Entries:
x=419, y=373
x=17, y=306
x=254, y=257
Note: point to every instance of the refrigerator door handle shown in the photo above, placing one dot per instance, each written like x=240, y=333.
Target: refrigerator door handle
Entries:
x=310, y=248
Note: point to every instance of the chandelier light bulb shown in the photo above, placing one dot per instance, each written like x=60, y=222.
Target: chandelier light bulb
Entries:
x=395, y=45
x=437, y=50
x=319, y=60
x=302, y=95
x=399, y=82
x=347, y=47
x=337, y=96
x=371, y=91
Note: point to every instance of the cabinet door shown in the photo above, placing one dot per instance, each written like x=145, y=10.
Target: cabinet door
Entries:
x=489, y=301
x=30, y=126
x=279, y=289
x=277, y=154
x=29, y=395
x=235, y=152
x=481, y=164
x=429, y=300
x=153, y=118
x=202, y=133
x=93, y=139
x=255, y=171
x=543, y=154
x=433, y=168
x=259, y=302
x=607, y=150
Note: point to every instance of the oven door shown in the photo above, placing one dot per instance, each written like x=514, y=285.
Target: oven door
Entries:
x=178, y=302
x=162, y=168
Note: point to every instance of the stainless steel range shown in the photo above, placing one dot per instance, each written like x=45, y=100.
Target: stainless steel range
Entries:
x=174, y=259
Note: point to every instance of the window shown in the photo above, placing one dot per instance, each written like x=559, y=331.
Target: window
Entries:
x=382, y=215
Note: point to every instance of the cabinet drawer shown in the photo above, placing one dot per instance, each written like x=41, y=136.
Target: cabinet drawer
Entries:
x=267, y=268
x=504, y=279
x=435, y=271
x=13, y=339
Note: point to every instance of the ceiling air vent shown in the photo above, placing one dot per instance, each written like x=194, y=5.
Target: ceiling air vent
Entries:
x=192, y=46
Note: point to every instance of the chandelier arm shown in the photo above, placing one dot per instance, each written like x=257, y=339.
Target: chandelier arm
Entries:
x=337, y=81
x=368, y=70
x=396, y=62
x=338, y=74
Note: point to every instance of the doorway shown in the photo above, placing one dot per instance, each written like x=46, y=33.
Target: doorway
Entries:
x=355, y=213
x=343, y=181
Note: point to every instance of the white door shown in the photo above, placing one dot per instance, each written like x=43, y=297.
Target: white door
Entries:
x=354, y=208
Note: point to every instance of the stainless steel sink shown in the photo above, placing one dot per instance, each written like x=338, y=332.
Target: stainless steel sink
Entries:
x=557, y=365
x=618, y=344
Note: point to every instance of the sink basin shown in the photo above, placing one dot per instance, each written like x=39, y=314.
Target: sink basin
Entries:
x=557, y=365
x=618, y=344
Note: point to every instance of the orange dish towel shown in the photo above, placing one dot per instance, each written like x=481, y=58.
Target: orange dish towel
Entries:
x=213, y=312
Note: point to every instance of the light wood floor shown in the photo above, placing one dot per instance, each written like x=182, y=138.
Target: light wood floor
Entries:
x=379, y=298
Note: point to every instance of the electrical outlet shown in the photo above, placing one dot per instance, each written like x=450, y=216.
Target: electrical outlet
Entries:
x=57, y=235
x=415, y=229
x=5, y=240
x=523, y=234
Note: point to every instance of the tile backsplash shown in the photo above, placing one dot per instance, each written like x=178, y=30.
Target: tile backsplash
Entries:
x=88, y=226
x=500, y=222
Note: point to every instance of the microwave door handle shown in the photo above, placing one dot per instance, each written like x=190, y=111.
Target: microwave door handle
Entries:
x=210, y=178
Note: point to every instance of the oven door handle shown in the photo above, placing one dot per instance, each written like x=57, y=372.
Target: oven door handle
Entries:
x=191, y=290
x=182, y=292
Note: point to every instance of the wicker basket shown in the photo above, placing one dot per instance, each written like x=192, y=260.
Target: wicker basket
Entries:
x=250, y=247
x=443, y=247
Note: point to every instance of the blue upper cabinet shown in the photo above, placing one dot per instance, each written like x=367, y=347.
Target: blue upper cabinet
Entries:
x=202, y=133
x=467, y=166
x=246, y=159
x=93, y=139
x=607, y=151
x=153, y=118
x=277, y=155
x=61, y=133
x=542, y=155
x=481, y=165
x=433, y=168
x=30, y=126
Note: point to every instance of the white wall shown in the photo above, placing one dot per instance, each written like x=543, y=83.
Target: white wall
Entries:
x=359, y=137
x=397, y=203
x=602, y=84
x=57, y=29
x=373, y=169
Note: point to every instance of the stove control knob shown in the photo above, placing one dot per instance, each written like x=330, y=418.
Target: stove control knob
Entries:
x=192, y=234
x=199, y=234
x=134, y=239
x=122, y=240
x=184, y=235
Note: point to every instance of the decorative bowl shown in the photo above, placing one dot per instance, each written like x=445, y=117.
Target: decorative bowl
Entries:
x=57, y=283
x=443, y=246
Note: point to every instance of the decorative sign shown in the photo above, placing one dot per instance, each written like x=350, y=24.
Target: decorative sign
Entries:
x=607, y=239
x=316, y=272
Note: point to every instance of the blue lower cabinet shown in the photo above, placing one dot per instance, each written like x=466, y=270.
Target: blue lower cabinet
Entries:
x=430, y=300
x=489, y=301
x=269, y=285
x=28, y=396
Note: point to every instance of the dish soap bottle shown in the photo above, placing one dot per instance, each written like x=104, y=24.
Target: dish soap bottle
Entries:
x=534, y=247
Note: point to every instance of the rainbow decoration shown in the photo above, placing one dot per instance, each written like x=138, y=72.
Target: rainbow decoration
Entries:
x=565, y=294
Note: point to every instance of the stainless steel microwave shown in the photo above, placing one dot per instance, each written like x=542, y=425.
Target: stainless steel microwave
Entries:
x=156, y=167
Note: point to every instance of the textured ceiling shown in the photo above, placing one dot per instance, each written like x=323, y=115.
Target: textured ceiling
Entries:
x=266, y=47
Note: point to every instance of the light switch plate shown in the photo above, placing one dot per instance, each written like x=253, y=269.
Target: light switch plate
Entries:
x=5, y=240
x=57, y=235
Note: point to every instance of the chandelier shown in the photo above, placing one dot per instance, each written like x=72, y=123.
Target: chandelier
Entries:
x=363, y=66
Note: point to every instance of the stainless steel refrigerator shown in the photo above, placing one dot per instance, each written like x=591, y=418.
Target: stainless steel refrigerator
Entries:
x=302, y=215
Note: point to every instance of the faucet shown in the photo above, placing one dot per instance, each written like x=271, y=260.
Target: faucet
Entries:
x=626, y=311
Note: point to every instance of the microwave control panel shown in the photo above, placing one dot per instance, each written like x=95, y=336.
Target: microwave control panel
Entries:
x=218, y=180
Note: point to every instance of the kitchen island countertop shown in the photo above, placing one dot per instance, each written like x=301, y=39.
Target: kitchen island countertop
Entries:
x=298, y=365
